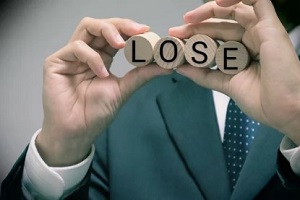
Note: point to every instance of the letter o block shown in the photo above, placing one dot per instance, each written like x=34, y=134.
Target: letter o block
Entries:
x=169, y=52
x=200, y=51
x=232, y=57
x=139, y=49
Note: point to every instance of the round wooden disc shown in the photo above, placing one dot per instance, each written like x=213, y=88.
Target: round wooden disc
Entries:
x=200, y=51
x=232, y=57
x=169, y=52
x=139, y=49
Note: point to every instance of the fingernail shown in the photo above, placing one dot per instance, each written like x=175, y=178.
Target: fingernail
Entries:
x=142, y=26
x=104, y=72
x=172, y=30
x=119, y=39
x=187, y=15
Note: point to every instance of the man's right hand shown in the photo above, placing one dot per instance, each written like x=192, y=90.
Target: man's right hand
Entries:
x=80, y=95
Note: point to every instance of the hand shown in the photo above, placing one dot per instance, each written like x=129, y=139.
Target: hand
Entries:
x=80, y=95
x=268, y=90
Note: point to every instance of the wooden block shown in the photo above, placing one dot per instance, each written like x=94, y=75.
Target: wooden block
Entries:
x=169, y=52
x=232, y=57
x=139, y=49
x=200, y=51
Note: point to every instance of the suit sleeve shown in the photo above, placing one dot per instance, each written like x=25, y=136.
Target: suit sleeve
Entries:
x=289, y=179
x=11, y=187
x=93, y=186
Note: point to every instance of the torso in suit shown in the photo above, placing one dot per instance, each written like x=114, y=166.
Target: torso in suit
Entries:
x=165, y=144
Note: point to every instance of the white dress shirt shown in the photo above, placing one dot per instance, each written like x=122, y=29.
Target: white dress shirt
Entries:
x=41, y=181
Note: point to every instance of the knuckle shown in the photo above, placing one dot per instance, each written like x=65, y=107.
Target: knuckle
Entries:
x=94, y=55
x=47, y=60
x=50, y=59
x=85, y=21
x=48, y=63
x=105, y=24
x=78, y=44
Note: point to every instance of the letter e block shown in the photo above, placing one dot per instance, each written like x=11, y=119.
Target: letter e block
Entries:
x=232, y=57
x=139, y=49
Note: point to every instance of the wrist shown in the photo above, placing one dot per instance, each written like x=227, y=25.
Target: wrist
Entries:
x=59, y=151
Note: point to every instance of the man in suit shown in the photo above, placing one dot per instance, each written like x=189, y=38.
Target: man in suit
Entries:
x=162, y=141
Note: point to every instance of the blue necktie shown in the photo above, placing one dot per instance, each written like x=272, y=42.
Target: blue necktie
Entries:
x=238, y=136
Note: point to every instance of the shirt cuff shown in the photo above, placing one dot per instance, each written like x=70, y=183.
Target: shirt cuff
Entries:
x=41, y=181
x=292, y=153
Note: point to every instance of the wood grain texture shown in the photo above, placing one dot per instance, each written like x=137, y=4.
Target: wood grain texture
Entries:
x=169, y=52
x=143, y=45
x=232, y=57
x=200, y=51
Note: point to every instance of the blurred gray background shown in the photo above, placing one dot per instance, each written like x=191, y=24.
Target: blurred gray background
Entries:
x=33, y=29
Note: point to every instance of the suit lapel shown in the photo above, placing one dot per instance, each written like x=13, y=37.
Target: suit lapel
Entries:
x=189, y=114
x=260, y=165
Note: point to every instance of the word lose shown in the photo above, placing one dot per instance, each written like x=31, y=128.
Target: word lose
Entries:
x=199, y=51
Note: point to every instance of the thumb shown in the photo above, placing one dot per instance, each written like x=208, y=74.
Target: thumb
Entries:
x=212, y=79
x=139, y=76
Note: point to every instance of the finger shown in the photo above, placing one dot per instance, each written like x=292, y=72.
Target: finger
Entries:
x=212, y=79
x=97, y=44
x=139, y=76
x=90, y=28
x=221, y=31
x=110, y=30
x=80, y=51
x=128, y=27
x=226, y=3
x=240, y=13
x=262, y=8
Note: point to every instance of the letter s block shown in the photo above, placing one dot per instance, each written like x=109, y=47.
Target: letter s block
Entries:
x=200, y=51
x=232, y=57
x=139, y=49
